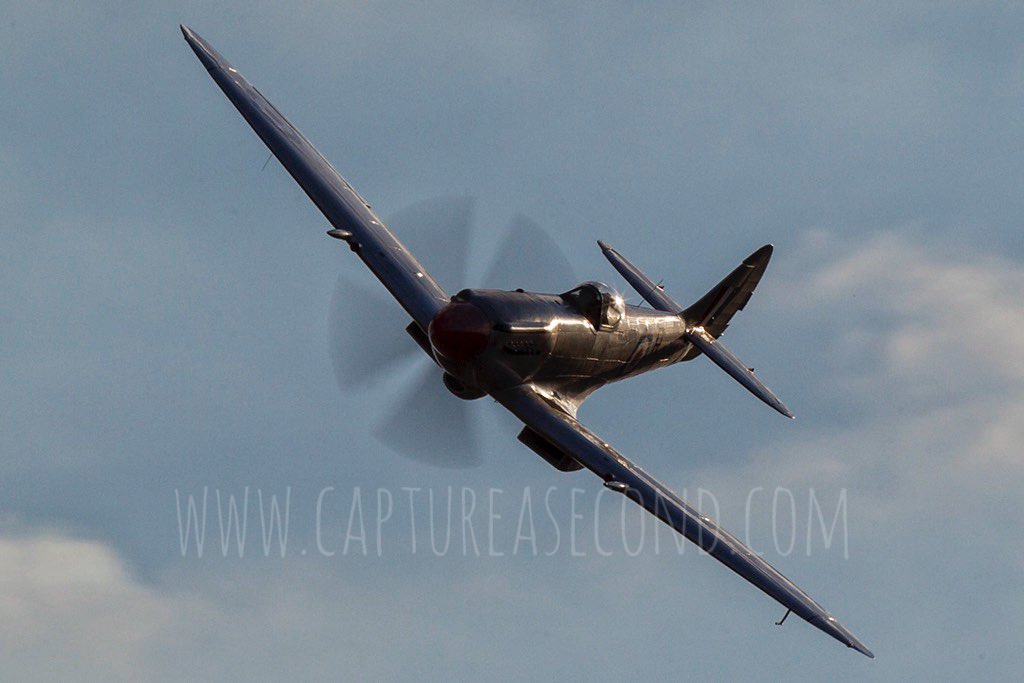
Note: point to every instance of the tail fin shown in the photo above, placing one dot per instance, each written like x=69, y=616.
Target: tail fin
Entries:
x=714, y=310
x=709, y=316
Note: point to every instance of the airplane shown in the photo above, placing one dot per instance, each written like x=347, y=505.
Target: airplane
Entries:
x=541, y=355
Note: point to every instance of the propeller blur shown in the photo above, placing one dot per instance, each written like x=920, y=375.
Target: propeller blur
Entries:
x=368, y=348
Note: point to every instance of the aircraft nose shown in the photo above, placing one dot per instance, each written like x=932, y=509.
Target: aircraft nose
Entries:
x=460, y=331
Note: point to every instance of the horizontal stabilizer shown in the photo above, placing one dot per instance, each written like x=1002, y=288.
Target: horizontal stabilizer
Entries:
x=652, y=293
x=724, y=358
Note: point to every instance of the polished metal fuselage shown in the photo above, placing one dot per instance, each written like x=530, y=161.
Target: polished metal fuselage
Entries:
x=542, y=339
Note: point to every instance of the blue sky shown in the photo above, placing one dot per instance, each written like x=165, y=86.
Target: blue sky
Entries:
x=166, y=304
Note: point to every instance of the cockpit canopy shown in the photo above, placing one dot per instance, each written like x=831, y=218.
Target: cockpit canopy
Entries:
x=599, y=303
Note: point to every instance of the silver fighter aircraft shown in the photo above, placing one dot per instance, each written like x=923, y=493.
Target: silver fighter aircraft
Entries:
x=541, y=355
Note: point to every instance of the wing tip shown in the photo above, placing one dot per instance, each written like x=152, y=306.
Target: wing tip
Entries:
x=190, y=36
x=859, y=647
x=829, y=625
x=210, y=58
x=776, y=403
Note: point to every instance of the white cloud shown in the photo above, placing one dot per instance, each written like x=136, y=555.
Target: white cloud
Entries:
x=951, y=314
x=69, y=610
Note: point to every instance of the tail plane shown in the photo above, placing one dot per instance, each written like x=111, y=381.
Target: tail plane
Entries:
x=708, y=317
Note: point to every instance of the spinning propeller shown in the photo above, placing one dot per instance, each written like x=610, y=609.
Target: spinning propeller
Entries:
x=368, y=343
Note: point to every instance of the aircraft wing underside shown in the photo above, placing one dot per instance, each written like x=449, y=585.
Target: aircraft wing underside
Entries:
x=528, y=403
x=399, y=271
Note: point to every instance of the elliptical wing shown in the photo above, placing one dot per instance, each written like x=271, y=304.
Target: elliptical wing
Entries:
x=353, y=219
